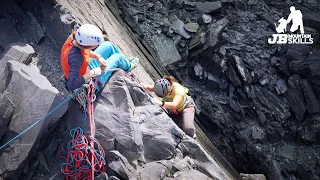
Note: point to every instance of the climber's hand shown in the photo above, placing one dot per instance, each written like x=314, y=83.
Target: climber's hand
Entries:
x=103, y=62
x=96, y=72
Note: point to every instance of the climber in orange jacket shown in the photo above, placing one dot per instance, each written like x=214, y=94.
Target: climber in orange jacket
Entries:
x=79, y=62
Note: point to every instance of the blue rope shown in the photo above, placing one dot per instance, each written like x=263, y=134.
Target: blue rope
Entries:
x=33, y=125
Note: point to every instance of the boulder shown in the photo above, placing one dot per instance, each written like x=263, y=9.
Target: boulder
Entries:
x=311, y=19
x=165, y=50
x=208, y=7
x=20, y=52
x=214, y=31
x=120, y=165
x=310, y=99
x=296, y=97
x=257, y=133
x=314, y=34
x=178, y=27
x=253, y=177
x=307, y=65
x=311, y=129
x=182, y=164
x=212, y=82
x=191, y=27
x=232, y=75
x=141, y=131
x=281, y=86
x=9, y=33
x=27, y=25
x=315, y=84
x=204, y=162
x=287, y=151
x=198, y=72
x=102, y=176
x=242, y=69
x=191, y=175
x=154, y=170
x=267, y=101
x=23, y=85
x=209, y=39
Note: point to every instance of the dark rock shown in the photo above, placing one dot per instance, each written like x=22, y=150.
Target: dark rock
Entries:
x=281, y=86
x=267, y=18
x=194, y=150
x=257, y=133
x=287, y=151
x=121, y=166
x=296, y=97
x=153, y=170
x=212, y=82
x=26, y=24
x=253, y=177
x=264, y=81
x=135, y=132
x=262, y=117
x=181, y=165
x=311, y=19
x=102, y=176
x=51, y=148
x=303, y=173
x=18, y=76
x=178, y=27
x=214, y=31
x=6, y=113
x=43, y=164
x=310, y=99
x=166, y=50
x=298, y=53
x=30, y=29
x=315, y=84
x=9, y=33
x=191, y=27
x=311, y=129
x=198, y=71
x=197, y=41
x=208, y=7
x=233, y=76
x=242, y=70
x=267, y=101
x=308, y=66
x=20, y=52
x=314, y=34
x=275, y=170
x=190, y=174
x=113, y=178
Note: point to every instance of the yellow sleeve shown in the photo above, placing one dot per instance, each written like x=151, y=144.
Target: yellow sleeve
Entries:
x=179, y=89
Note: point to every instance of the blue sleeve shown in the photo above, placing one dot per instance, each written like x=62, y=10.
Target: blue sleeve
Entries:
x=74, y=80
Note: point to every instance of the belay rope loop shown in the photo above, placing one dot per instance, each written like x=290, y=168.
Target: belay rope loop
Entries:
x=84, y=156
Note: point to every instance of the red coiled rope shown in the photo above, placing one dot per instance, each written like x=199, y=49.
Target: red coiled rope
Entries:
x=84, y=159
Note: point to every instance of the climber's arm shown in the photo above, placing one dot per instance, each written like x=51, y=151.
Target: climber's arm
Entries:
x=174, y=104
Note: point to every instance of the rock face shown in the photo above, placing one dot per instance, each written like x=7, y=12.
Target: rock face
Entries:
x=22, y=86
x=252, y=95
x=142, y=141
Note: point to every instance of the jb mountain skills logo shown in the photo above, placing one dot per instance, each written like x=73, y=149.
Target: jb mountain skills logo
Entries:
x=296, y=17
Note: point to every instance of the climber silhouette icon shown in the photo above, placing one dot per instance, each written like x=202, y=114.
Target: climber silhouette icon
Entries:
x=296, y=17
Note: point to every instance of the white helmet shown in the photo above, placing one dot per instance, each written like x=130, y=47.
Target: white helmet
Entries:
x=89, y=35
